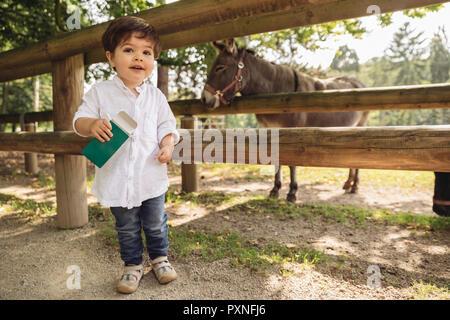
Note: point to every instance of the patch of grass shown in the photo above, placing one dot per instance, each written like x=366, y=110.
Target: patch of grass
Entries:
x=110, y=235
x=422, y=291
x=283, y=210
x=398, y=178
x=44, y=181
x=98, y=212
x=411, y=220
x=240, y=251
x=236, y=171
x=217, y=246
x=106, y=222
x=5, y=198
x=48, y=181
x=206, y=198
x=90, y=181
x=27, y=208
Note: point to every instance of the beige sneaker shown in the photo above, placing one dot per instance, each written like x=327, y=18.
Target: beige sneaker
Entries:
x=163, y=270
x=130, y=279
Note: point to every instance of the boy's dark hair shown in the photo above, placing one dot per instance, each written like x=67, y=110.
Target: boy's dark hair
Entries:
x=121, y=29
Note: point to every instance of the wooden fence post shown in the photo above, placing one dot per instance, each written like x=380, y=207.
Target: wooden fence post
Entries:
x=31, y=163
x=70, y=171
x=189, y=172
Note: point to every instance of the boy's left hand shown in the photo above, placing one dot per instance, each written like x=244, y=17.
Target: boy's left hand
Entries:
x=165, y=154
x=167, y=145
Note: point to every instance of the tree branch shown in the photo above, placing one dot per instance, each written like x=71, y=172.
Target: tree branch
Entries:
x=58, y=20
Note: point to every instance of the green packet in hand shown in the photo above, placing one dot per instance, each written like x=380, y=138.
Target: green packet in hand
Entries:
x=100, y=152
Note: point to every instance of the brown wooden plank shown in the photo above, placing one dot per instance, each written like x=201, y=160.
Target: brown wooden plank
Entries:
x=363, y=99
x=394, y=148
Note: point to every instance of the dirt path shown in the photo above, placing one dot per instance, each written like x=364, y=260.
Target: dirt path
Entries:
x=35, y=254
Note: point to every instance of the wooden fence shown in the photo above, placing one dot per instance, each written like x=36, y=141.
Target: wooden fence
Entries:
x=191, y=22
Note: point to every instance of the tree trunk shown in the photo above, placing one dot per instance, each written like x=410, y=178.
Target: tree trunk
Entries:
x=36, y=94
x=163, y=80
x=31, y=162
x=4, y=104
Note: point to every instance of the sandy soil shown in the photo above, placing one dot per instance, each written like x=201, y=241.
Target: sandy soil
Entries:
x=35, y=254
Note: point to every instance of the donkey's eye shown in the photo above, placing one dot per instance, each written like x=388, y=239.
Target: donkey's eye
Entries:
x=220, y=68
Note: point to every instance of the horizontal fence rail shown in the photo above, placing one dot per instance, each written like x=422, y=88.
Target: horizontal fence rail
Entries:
x=365, y=99
x=394, y=148
x=362, y=99
x=35, y=116
x=187, y=23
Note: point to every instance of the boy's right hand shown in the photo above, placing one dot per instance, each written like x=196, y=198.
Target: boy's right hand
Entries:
x=101, y=129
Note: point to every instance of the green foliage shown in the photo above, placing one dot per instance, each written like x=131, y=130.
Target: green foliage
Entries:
x=421, y=12
x=423, y=291
x=116, y=9
x=346, y=60
x=439, y=57
x=241, y=121
x=189, y=67
x=35, y=22
x=41, y=20
x=406, y=54
x=408, y=61
x=20, y=95
x=385, y=19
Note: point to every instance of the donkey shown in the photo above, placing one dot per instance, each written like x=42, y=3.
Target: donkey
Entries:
x=441, y=197
x=240, y=70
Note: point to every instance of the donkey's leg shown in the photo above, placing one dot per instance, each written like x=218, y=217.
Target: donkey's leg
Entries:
x=292, y=186
x=348, y=184
x=355, y=182
x=277, y=183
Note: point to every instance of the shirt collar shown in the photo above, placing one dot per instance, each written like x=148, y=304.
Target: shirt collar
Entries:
x=122, y=85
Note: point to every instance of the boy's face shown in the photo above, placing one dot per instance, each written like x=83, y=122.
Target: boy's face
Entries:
x=133, y=60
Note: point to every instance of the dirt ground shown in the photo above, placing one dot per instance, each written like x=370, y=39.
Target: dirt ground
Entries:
x=35, y=255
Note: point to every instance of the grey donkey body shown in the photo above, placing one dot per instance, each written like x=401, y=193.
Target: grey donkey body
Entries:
x=239, y=70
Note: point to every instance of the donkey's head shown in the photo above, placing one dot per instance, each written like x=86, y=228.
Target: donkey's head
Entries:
x=227, y=76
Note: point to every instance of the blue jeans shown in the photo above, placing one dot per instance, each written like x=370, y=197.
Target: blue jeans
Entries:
x=151, y=217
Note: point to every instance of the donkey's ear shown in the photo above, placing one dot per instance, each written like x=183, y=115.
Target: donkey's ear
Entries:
x=219, y=46
x=231, y=46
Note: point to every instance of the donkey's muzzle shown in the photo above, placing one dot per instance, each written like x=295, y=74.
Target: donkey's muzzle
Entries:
x=209, y=100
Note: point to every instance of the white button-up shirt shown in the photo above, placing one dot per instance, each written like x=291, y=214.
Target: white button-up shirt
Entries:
x=132, y=174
